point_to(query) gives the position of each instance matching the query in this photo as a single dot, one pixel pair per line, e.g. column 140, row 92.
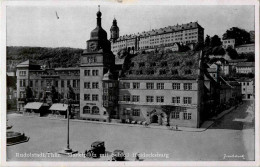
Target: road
column 231, row 138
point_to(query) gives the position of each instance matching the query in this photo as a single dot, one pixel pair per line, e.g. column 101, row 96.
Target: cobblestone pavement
column 231, row 138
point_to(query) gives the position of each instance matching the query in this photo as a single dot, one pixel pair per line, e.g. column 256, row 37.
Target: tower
column 96, row 59
column 114, row 31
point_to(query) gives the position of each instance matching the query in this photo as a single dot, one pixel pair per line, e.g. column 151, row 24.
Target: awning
column 33, row 105
column 59, row 107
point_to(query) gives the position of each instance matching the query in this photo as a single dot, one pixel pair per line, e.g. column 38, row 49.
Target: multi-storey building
column 245, row 67
column 162, row 88
column 42, row 81
column 190, row 33
column 247, row 48
column 247, row 88
column 228, row 43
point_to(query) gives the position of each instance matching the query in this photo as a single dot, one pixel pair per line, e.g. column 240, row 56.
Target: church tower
column 96, row 60
column 114, row 31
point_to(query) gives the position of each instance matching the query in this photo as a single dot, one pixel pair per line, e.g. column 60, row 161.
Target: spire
column 99, row 14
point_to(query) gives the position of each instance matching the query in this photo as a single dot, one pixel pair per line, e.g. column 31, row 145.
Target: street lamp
column 68, row 150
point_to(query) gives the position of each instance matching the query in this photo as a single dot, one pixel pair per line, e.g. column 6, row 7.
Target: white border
column 125, row 2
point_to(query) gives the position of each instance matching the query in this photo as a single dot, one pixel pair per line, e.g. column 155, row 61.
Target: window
column 174, row 72
column 22, row 83
column 136, row 85
column 62, row 83
column 94, row 97
column 126, row 85
column 86, row 110
column 186, row 116
column 160, row 99
column 22, row 73
column 187, row 86
column 160, row 85
column 175, row 115
column 187, row 100
column 135, row 98
column 136, row 112
column 87, row 72
column 149, row 98
column 74, row 83
column 86, row 97
column 95, row 110
column 187, row 71
column 41, row 83
column 126, row 111
column 175, row 99
column 68, row 83
column 95, row 85
column 95, row 72
column 126, row 98
column 31, row 83
column 36, row 83
column 176, row 86
column 247, row 83
column 149, row 85
column 87, row 85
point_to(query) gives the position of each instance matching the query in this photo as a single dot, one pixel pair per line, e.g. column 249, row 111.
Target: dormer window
column 162, row 72
column 142, row 64
column 176, row 63
column 175, row 72
column 187, row 71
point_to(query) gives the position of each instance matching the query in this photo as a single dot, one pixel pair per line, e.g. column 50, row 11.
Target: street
column 230, row 139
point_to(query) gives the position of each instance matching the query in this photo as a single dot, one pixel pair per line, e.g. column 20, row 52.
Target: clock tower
column 96, row 60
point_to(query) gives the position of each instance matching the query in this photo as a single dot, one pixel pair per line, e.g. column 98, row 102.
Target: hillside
column 53, row 57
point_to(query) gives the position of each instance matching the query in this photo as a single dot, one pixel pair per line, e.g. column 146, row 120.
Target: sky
column 39, row 26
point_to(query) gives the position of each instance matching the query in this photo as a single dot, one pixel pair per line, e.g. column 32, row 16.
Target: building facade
column 247, row 88
column 247, row 48
column 245, row 68
column 228, row 43
column 43, row 81
column 190, row 33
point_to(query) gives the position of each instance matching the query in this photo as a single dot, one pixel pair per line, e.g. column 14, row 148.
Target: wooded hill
column 51, row 57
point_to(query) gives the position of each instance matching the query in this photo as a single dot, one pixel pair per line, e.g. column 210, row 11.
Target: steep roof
column 178, row 65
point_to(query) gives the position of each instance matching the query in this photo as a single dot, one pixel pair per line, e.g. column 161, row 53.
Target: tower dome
column 98, row 33
column 114, row 31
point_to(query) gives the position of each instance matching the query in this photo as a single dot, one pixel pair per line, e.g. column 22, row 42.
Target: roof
column 246, row 64
column 59, row 107
column 68, row 68
column 237, row 60
column 28, row 64
column 177, row 65
column 33, row 105
column 164, row 30
column 212, row 70
column 246, row 45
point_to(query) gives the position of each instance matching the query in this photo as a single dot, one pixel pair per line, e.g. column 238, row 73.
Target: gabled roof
column 28, row 64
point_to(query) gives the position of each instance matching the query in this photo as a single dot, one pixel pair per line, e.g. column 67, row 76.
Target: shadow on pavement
column 238, row 119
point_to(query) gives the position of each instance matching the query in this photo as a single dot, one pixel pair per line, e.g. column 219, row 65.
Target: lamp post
column 68, row 150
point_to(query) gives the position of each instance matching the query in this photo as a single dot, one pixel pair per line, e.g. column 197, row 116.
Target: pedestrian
column 137, row 158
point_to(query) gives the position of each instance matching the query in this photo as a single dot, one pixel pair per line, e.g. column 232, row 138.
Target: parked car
column 118, row 155
column 97, row 148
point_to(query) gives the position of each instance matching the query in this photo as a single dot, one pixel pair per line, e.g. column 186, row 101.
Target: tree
column 71, row 94
column 232, row 53
column 54, row 94
column 207, row 40
column 29, row 94
column 167, row 110
column 241, row 36
column 215, row 41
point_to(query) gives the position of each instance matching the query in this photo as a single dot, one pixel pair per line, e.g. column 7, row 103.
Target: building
column 252, row 36
column 247, row 88
column 245, row 67
column 164, row 88
column 96, row 61
column 190, row 33
column 228, row 43
column 247, row 48
column 42, row 81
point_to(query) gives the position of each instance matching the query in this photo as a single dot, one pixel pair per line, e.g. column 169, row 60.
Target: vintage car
column 97, row 148
column 118, row 155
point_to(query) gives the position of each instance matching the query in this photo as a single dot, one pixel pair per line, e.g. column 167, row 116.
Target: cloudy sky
column 39, row 26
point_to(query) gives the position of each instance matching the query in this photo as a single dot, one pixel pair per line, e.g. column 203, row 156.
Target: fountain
column 13, row 138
